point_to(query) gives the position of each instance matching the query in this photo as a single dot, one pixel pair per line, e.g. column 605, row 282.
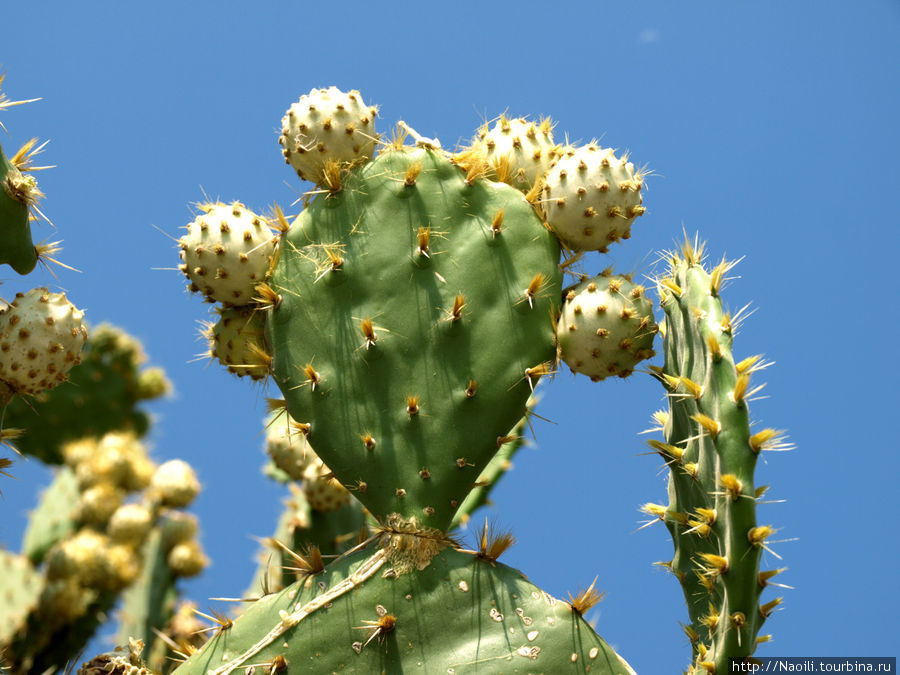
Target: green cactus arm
column 712, row 456
column 149, row 603
column 16, row 246
column 53, row 519
column 491, row 475
column 460, row 614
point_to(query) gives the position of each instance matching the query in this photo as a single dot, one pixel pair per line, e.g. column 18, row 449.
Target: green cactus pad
column 416, row 314
column 459, row 615
column 16, row 247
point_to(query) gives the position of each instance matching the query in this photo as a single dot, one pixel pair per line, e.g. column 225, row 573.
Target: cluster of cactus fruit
column 407, row 315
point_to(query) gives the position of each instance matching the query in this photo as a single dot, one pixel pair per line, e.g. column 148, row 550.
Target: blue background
column 771, row 129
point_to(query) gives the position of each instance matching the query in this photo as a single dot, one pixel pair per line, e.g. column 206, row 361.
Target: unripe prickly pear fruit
column 591, row 197
column 130, row 523
column 187, row 559
column 76, row 452
column 226, row 252
column 178, row 527
column 238, row 341
column 41, row 338
column 323, row 492
column 84, row 556
column 97, row 504
column 63, row 601
column 519, row 151
column 327, row 125
column 176, row 483
column 288, row 447
column 606, row 327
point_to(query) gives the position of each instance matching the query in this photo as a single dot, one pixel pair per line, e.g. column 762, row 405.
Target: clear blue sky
column 772, row 129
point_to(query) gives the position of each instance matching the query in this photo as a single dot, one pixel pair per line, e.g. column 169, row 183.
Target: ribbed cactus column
column 712, row 455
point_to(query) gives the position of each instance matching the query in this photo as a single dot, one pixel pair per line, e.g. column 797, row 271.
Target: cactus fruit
column 238, row 341
column 592, row 197
column 518, row 151
column 175, row 483
column 287, row 446
column 606, row 327
column 41, row 338
column 226, row 252
column 326, row 130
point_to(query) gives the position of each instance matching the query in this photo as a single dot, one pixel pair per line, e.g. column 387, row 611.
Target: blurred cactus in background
column 407, row 315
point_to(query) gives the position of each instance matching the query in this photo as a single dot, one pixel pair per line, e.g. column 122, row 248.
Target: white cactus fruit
column 226, row 252
column 41, row 338
column 238, row 341
column 84, row 555
column 518, row 151
column 591, row 197
column 323, row 491
column 606, row 327
column 288, row 447
column 130, row 524
column 178, row 527
column 176, row 483
column 97, row 504
column 327, row 125
column 187, row 559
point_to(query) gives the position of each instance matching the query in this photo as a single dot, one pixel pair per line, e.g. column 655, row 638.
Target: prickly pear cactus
column 406, row 315
column 711, row 453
